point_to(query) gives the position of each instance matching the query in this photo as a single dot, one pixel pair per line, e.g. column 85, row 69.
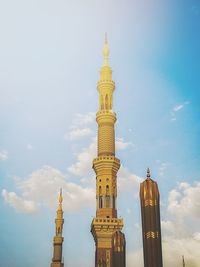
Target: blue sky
column 50, row 56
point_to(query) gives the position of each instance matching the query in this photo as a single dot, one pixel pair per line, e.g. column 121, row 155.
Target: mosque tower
column 106, row 226
column 58, row 239
column 151, row 230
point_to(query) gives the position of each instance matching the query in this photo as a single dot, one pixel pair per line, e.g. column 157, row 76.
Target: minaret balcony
column 105, row 164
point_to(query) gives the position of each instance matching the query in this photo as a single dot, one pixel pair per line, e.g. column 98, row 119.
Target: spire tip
column 60, row 196
column 148, row 173
column 106, row 39
column 105, row 51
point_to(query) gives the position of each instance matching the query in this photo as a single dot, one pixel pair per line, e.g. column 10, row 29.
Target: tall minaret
column 58, row 239
column 151, row 230
column 106, row 227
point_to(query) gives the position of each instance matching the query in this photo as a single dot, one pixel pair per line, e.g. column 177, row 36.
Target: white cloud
column 83, row 119
column 168, row 227
column 180, row 234
column 41, row 189
column 196, row 236
column 128, row 181
column 135, row 257
column 18, row 203
column 173, row 119
column 121, row 144
column 173, row 249
column 184, row 201
column 178, row 107
column 76, row 134
column 3, row 155
column 84, row 159
column 162, row 167
column 29, row 147
column 79, row 127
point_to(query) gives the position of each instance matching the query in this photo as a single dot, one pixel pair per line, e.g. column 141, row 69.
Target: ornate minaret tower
column 151, row 230
column 58, row 239
column 106, row 227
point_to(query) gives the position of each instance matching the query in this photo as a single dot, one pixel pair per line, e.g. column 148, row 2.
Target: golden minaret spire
column 106, row 227
column 58, row 239
column 106, row 51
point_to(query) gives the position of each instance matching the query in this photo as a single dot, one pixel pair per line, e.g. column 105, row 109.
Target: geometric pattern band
column 151, row 234
column 150, row 202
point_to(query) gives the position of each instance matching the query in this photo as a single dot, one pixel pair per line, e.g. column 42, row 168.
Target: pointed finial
column 148, row 173
column 106, row 51
column 183, row 261
column 60, row 197
column 106, row 40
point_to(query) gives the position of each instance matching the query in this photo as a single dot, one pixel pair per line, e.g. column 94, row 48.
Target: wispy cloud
column 181, row 234
column 3, row 155
column 176, row 109
column 121, row 144
column 76, row 134
column 41, row 189
column 162, row 167
column 81, row 126
column 83, row 165
column 184, row 201
column 19, row 203
column 29, row 147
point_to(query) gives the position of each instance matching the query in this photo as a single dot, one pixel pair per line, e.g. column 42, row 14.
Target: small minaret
column 58, row 239
column 106, row 227
column 151, row 230
column 183, row 261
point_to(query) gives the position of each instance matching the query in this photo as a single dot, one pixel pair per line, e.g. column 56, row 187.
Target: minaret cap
column 106, row 51
column 148, row 173
column 60, row 199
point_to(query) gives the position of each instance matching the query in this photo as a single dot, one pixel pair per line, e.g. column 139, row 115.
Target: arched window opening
column 100, row 202
column 110, row 103
column 106, row 101
column 100, row 190
column 114, row 204
column 102, row 104
column 107, row 189
column 107, row 201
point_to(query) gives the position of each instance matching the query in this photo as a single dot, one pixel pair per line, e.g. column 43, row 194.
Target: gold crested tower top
column 59, row 219
column 106, row 71
column 106, row 51
column 105, row 117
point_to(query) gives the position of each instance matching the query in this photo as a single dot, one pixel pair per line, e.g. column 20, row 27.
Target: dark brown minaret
column 183, row 261
column 151, row 230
